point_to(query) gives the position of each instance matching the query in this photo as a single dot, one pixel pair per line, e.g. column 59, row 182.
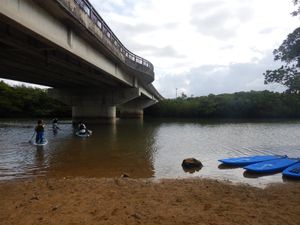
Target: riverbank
column 138, row 201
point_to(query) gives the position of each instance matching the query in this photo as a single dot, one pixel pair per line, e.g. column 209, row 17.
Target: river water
column 145, row 149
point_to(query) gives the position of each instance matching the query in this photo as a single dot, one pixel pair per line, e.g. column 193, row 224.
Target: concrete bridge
column 65, row 44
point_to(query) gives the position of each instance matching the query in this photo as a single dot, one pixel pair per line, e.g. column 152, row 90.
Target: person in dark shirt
column 82, row 128
column 55, row 122
column 39, row 129
column 55, row 125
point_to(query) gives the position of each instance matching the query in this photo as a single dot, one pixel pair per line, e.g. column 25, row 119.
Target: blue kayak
column 244, row 161
column 292, row 171
column 271, row 166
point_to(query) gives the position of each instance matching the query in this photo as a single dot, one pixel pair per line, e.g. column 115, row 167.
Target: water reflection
column 191, row 170
column 226, row 167
column 39, row 156
column 257, row 175
column 112, row 150
column 150, row 148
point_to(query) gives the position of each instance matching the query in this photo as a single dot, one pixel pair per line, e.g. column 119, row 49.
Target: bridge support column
column 131, row 113
column 93, row 113
column 134, row 108
column 94, row 106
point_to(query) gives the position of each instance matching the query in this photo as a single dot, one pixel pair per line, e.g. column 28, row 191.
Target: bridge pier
column 93, row 113
column 135, row 108
column 95, row 106
column 131, row 113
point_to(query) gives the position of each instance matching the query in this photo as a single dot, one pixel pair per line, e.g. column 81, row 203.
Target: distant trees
column 289, row 53
column 21, row 101
column 254, row 104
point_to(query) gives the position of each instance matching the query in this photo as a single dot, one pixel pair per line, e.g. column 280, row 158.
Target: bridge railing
column 131, row 59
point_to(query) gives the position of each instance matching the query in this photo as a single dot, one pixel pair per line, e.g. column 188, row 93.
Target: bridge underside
column 90, row 81
column 24, row 57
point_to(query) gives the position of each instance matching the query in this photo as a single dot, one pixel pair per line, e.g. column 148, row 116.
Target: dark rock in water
column 191, row 163
column 124, row 175
column 191, row 170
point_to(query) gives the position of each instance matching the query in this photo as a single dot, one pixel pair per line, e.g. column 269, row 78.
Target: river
column 153, row 148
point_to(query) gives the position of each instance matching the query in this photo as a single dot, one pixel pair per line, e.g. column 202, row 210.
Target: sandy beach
column 139, row 201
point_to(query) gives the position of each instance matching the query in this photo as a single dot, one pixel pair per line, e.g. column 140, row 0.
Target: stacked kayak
column 292, row 171
column 244, row 161
column 267, row 164
column 271, row 166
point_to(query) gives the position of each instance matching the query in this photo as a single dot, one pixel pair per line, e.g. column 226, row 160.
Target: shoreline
column 146, row 201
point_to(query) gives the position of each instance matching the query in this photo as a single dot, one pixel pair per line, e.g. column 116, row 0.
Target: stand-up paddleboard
column 44, row 142
column 271, row 166
column 292, row 171
column 247, row 160
column 87, row 134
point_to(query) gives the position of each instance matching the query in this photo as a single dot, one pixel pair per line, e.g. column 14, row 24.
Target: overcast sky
column 203, row 46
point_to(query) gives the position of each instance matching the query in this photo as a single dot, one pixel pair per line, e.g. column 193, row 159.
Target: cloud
column 202, row 46
column 218, row 19
column 218, row 79
column 137, row 31
column 165, row 52
column 267, row 30
column 121, row 7
column 134, row 29
column 227, row 47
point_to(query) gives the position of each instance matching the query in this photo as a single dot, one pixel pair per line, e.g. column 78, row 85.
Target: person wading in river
column 82, row 128
column 39, row 129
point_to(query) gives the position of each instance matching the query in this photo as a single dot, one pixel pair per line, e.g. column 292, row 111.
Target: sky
column 201, row 47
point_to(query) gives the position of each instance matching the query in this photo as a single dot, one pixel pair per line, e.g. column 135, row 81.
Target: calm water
column 144, row 149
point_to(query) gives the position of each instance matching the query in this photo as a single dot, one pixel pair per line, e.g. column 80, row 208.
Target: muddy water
column 145, row 149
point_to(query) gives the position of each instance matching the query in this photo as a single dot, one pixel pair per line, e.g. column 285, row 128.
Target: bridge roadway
column 66, row 45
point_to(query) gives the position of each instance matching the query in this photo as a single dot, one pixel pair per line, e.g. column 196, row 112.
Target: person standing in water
column 55, row 123
column 55, row 127
column 39, row 129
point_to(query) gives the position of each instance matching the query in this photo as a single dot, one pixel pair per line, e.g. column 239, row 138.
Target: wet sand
column 91, row 201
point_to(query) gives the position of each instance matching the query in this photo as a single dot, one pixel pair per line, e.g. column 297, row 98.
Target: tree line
column 21, row 101
column 253, row 104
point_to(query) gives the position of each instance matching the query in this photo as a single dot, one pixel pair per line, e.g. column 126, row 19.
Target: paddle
column 55, row 126
column 31, row 137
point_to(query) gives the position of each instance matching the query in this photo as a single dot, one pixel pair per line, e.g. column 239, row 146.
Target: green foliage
column 21, row 101
column 254, row 104
column 288, row 53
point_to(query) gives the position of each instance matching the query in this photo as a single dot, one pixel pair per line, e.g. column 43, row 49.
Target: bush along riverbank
column 253, row 104
column 22, row 101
